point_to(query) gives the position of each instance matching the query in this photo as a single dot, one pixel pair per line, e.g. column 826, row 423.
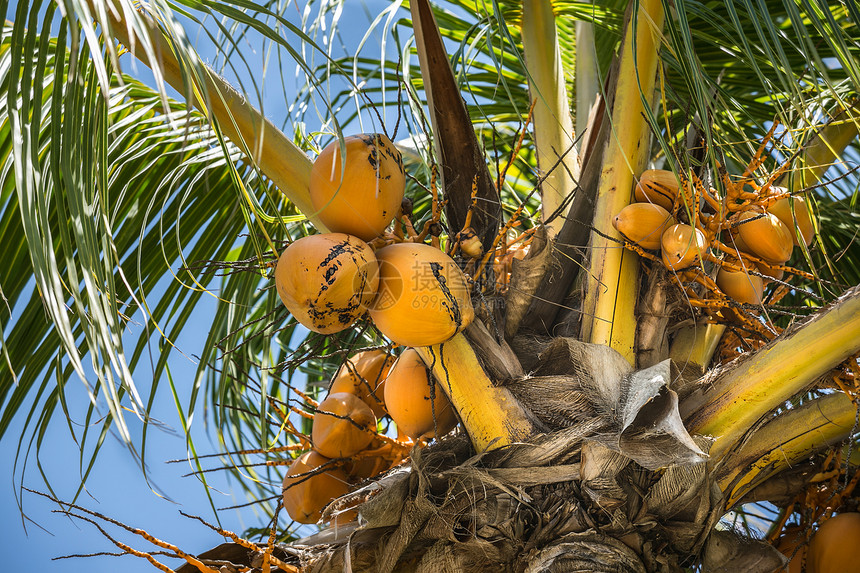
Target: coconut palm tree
column 618, row 413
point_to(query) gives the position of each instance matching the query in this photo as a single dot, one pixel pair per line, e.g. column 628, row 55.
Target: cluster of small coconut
column 347, row 448
column 413, row 292
column 767, row 234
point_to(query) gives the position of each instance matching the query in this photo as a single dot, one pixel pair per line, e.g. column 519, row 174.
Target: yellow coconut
column 833, row 548
column 327, row 281
column 657, row 186
column 740, row 286
column 765, row 235
column 407, row 396
column 309, row 487
column 362, row 196
column 800, row 221
column 643, row 224
column 364, row 376
column 423, row 296
column 682, row 246
column 343, row 425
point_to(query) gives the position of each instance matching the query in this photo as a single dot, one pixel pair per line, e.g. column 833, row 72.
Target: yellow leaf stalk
column 611, row 279
column 492, row 416
column 694, row 346
column 823, row 149
column 587, row 81
column 552, row 124
column 785, row 441
column 730, row 402
column 272, row 152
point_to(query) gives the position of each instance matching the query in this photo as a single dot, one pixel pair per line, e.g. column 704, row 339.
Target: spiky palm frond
column 106, row 204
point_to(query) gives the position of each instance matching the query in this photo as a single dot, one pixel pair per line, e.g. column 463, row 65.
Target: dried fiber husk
column 615, row 483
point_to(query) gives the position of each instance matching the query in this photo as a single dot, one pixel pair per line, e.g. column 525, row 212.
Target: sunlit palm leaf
column 108, row 233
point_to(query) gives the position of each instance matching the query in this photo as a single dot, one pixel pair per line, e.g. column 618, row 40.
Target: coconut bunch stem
column 493, row 418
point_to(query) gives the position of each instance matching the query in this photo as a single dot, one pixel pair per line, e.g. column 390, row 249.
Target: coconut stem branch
column 271, row 151
column 785, row 441
column 730, row 402
column 610, row 283
column 492, row 416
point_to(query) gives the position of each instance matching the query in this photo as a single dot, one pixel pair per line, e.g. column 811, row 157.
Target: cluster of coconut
column 415, row 295
column 347, row 448
column 767, row 234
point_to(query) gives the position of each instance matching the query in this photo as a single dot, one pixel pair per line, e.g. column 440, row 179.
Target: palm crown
column 118, row 199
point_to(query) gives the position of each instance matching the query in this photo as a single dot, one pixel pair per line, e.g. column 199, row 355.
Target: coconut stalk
column 551, row 124
column 587, row 81
column 728, row 403
column 611, row 281
column 274, row 154
column 492, row 416
column 694, row 346
column 786, row 440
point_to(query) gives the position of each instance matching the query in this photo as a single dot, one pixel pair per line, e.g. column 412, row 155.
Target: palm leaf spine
column 492, row 416
column 551, row 124
column 611, row 279
column 823, row 149
column 587, row 81
column 732, row 401
column 787, row 440
column 287, row 166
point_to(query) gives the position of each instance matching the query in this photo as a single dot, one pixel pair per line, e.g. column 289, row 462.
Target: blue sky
column 116, row 487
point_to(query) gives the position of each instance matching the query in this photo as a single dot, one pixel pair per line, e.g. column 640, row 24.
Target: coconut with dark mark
column 424, row 298
column 361, row 194
column 327, row 281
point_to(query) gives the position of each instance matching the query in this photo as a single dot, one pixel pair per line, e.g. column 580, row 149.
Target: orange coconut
column 327, row 281
column 364, row 467
column 343, row 425
column 833, row 548
column 364, row 376
column 765, row 236
column 643, row 224
column 423, row 295
column 309, row 488
column 682, row 246
column 799, row 221
column 362, row 196
column 657, row 186
column 740, row 286
column 407, row 396
column 792, row 545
